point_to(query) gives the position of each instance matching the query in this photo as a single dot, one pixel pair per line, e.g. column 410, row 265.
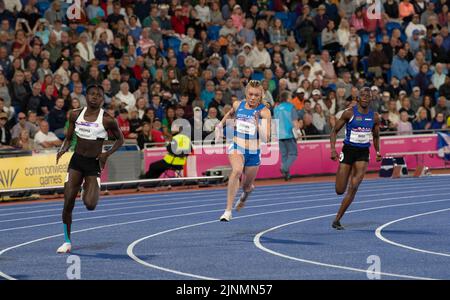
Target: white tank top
column 90, row 130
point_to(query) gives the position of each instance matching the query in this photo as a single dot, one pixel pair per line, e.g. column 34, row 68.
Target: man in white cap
column 248, row 54
column 214, row 64
column 299, row 100
column 316, row 97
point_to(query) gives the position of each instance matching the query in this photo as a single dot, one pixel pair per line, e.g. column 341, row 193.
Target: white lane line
column 203, row 205
column 112, row 199
column 143, row 262
column 299, row 193
column 126, row 202
column 257, row 242
column 130, row 249
column 188, row 214
column 378, row 233
column 2, row 274
column 304, row 186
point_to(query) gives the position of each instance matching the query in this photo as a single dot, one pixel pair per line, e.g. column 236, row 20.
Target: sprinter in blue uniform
column 251, row 126
column 361, row 124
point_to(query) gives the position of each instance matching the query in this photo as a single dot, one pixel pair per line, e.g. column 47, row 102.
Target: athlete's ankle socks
column 67, row 233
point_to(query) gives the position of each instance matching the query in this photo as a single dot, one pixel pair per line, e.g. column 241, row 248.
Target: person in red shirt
column 157, row 135
column 124, row 124
column 179, row 22
column 138, row 68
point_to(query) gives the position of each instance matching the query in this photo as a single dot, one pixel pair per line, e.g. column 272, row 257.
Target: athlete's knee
column 236, row 173
column 90, row 205
column 340, row 191
column 68, row 207
column 357, row 179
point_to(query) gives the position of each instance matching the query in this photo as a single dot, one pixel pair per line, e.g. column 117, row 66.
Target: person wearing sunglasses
column 91, row 125
column 362, row 123
column 251, row 127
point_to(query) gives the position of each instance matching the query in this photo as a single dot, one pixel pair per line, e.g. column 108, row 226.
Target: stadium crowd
column 159, row 61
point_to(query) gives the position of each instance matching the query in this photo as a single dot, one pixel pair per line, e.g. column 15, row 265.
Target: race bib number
column 360, row 137
column 245, row 127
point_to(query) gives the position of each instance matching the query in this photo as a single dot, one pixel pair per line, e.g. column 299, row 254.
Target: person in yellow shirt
column 177, row 152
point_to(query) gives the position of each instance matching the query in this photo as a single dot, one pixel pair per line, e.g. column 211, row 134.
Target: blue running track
column 283, row 232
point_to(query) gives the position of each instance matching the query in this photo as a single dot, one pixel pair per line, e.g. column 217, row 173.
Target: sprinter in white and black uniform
column 361, row 124
column 251, row 126
column 91, row 124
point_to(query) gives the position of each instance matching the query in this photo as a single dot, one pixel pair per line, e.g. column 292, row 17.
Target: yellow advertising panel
column 33, row 171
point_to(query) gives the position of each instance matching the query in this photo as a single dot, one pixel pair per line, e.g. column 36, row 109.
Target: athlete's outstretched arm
column 376, row 135
column 266, row 125
column 229, row 114
column 67, row 140
column 113, row 127
column 222, row 123
column 346, row 116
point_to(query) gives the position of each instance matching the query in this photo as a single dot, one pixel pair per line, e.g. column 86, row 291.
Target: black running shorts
column 88, row 166
column 351, row 154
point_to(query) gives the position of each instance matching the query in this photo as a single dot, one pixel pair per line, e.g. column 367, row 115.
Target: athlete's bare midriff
column 90, row 148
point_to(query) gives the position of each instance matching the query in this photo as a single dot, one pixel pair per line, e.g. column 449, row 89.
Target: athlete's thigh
column 91, row 190
column 236, row 161
column 74, row 180
column 342, row 176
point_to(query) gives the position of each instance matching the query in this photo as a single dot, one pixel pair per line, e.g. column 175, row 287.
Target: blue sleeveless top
column 246, row 123
column 359, row 129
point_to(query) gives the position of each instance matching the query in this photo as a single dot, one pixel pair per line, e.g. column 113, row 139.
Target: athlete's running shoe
column 65, row 248
column 337, row 225
column 226, row 217
column 241, row 202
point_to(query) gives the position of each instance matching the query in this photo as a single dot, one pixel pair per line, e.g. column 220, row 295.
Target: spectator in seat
column 22, row 125
column 439, row 123
column 23, row 141
column 5, row 134
column 404, row 126
column 45, row 139
column 145, row 136
column 310, row 129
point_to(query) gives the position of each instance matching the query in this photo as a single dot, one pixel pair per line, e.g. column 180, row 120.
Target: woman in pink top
column 145, row 42
column 238, row 18
column 357, row 20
